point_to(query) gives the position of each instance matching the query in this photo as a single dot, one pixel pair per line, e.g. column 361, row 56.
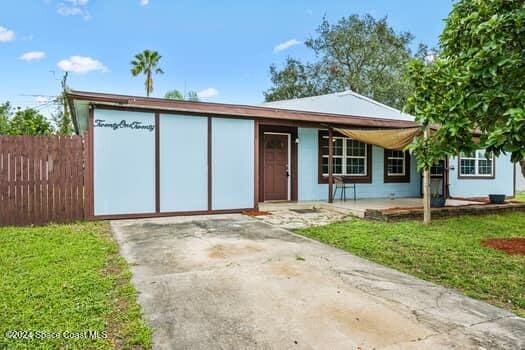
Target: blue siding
column 183, row 163
column 503, row 183
column 124, row 164
column 232, row 163
column 310, row 189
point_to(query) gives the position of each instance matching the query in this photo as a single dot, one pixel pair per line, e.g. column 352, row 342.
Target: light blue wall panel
column 232, row 163
column 503, row 183
column 309, row 189
column 124, row 162
column 183, row 163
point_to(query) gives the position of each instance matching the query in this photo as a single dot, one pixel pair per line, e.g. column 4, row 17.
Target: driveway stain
column 221, row 251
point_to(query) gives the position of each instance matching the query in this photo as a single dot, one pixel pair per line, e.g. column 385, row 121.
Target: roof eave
column 236, row 110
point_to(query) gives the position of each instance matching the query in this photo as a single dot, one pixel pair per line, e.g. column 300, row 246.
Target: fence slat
column 41, row 179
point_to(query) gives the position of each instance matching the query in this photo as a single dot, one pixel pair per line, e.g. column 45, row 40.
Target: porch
column 315, row 213
column 363, row 208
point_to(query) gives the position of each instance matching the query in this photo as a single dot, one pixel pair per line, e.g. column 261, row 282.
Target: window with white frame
column 437, row 169
column 476, row 164
column 349, row 157
column 395, row 163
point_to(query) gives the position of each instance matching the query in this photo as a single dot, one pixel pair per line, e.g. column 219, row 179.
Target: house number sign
column 123, row 124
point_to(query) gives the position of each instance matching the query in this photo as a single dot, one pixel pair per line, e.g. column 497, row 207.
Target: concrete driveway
column 233, row 282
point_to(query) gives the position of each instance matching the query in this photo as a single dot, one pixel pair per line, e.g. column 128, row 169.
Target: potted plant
column 497, row 198
column 437, row 200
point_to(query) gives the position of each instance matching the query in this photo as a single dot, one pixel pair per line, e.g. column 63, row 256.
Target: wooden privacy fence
column 41, row 179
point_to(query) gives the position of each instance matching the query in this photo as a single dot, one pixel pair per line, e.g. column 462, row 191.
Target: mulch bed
column 255, row 213
column 515, row 246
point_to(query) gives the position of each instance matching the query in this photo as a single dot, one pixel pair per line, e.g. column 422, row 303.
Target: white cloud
column 81, row 65
column 286, row 45
column 74, row 8
column 33, row 55
column 144, row 2
column 6, row 35
column 207, row 93
column 42, row 99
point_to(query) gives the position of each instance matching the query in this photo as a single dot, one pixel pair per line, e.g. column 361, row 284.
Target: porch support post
column 330, row 165
column 426, row 190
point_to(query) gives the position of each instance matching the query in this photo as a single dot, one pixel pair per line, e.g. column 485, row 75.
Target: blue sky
column 221, row 49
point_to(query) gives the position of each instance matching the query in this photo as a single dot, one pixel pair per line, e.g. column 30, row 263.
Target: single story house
column 156, row 157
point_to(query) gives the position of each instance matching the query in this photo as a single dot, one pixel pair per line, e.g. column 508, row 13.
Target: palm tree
column 146, row 62
column 177, row 95
column 192, row 96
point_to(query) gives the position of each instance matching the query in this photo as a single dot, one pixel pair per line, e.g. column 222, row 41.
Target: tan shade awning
column 397, row 139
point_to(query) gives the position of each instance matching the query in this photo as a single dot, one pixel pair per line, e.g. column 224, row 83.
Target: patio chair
column 341, row 185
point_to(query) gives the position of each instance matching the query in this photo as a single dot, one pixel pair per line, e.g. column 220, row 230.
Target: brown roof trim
column 236, row 110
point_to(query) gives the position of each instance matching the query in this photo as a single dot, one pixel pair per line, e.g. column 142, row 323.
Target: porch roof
column 80, row 100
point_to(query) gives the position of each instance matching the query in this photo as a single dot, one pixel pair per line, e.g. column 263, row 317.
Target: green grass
column 67, row 278
column 447, row 252
column 520, row 196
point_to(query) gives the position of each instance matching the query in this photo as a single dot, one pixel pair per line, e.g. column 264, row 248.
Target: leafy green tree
column 177, row 95
column 29, row 122
column 358, row 53
column 475, row 85
column 295, row 80
column 5, row 112
column 147, row 63
column 174, row 95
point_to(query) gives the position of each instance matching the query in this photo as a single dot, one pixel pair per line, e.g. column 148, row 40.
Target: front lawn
column 63, row 284
column 448, row 252
column 520, row 196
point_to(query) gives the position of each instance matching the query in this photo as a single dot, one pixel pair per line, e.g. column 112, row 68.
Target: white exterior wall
column 520, row 179
column 503, row 183
column 232, row 163
column 124, row 162
column 183, row 163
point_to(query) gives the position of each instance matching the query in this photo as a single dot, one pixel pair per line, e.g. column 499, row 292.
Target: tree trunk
column 330, row 165
column 426, row 196
column 148, row 83
column 426, row 191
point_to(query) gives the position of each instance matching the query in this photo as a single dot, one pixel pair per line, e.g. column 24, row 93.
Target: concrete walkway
column 233, row 282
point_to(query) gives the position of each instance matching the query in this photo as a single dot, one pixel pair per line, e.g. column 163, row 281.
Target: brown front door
column 276, row 167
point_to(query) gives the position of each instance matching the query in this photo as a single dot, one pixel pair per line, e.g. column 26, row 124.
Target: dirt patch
column 514, row 246
column 255, row 213
column 221, row 251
